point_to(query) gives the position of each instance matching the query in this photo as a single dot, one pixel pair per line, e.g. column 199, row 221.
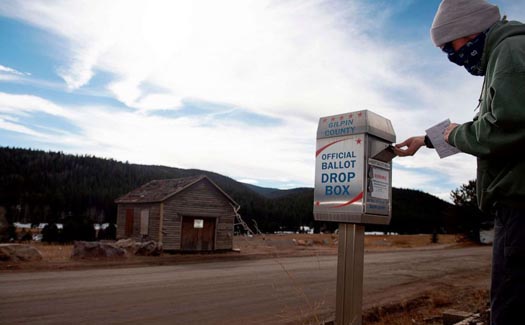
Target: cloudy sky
column 234, row 87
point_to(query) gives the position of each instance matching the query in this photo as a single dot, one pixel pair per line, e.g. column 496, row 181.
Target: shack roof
column 162, row 189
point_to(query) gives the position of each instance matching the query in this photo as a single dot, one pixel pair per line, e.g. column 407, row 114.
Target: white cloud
column 295, row 60
column 427, row 172
column 14, row 127
column 268, row 56
column 8, row 70
column 249, row 181
column 7, row 77
column 10, row 74
column 227, row 147
column 24, row 104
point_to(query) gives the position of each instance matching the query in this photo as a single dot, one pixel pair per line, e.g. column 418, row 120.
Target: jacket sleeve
column 501, row 129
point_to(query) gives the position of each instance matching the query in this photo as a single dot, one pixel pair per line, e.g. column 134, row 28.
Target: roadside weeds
column 428, row 307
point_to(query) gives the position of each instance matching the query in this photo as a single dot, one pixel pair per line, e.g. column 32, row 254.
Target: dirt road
column 268, row 291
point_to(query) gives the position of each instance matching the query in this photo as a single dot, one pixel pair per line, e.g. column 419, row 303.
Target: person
column 473, row 35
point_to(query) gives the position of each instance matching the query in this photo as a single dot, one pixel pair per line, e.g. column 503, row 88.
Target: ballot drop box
column 353, row 172
column 353, row 186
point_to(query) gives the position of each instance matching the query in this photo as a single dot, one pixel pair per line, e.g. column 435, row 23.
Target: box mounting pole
column 350, row 262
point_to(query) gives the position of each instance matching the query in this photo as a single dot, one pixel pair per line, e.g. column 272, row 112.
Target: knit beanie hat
column 459, row 18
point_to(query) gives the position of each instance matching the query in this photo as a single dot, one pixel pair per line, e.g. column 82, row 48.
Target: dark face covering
column 469, row 55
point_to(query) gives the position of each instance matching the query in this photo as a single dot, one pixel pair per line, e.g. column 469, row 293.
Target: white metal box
column 353, row 174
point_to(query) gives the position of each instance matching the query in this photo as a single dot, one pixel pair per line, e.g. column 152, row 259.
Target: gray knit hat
column 459, row 18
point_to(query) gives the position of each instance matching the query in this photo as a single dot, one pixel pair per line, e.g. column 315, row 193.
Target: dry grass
column 428, row 308
column 406, row 241
column 311, row 314
column 54, row 252
column 283, row 245
column 380, row 242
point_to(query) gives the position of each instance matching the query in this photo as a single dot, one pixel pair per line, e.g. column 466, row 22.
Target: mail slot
column 353, row 174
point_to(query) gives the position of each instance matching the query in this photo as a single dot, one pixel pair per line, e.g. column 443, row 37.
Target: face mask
column 469, row 55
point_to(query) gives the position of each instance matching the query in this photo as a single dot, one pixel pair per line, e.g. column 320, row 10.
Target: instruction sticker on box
column 380, row 183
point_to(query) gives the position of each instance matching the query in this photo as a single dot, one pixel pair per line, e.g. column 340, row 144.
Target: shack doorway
column 129, row 222
column 198, row 234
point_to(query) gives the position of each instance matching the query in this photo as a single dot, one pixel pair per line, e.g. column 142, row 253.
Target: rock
column 19, row 252
column 84, row 249
column 452, row 316
column 128, row 245
column 482, row 318
column 149, row 248
column 302, row 242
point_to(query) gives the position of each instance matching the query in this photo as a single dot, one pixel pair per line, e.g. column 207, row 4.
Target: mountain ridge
column 47, row 186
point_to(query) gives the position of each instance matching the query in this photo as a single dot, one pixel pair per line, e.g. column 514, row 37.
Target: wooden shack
column 184, row 214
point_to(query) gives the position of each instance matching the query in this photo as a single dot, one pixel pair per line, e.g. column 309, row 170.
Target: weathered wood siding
column 224, row 239
column 202, row 199
column 171, row 227
column 154, row 219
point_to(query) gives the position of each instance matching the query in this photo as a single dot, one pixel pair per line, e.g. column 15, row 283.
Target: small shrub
column 11, row 233
column 78, row 229
column 26, row 236
column 50, row 233
column 110, row 233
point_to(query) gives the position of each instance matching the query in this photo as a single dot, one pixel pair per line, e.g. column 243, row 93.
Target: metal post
column 350, row 260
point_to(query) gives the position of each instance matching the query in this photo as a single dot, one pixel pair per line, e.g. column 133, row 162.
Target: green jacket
column 496, row 136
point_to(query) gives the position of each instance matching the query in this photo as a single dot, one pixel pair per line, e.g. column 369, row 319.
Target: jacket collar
column 500, row 31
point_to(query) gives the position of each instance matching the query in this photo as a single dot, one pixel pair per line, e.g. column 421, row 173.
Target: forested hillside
column 38, row 186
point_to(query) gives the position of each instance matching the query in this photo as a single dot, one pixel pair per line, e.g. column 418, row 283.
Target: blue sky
column 234, row 87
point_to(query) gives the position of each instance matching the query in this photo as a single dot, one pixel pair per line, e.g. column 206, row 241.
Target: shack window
column 144, row 221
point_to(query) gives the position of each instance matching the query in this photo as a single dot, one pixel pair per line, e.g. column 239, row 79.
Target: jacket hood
column 498, row 33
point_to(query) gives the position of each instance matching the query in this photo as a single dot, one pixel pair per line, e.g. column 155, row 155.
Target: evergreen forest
column 52, row 187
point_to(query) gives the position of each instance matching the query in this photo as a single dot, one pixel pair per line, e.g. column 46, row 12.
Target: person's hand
column 412, row 146
column 449, row 129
